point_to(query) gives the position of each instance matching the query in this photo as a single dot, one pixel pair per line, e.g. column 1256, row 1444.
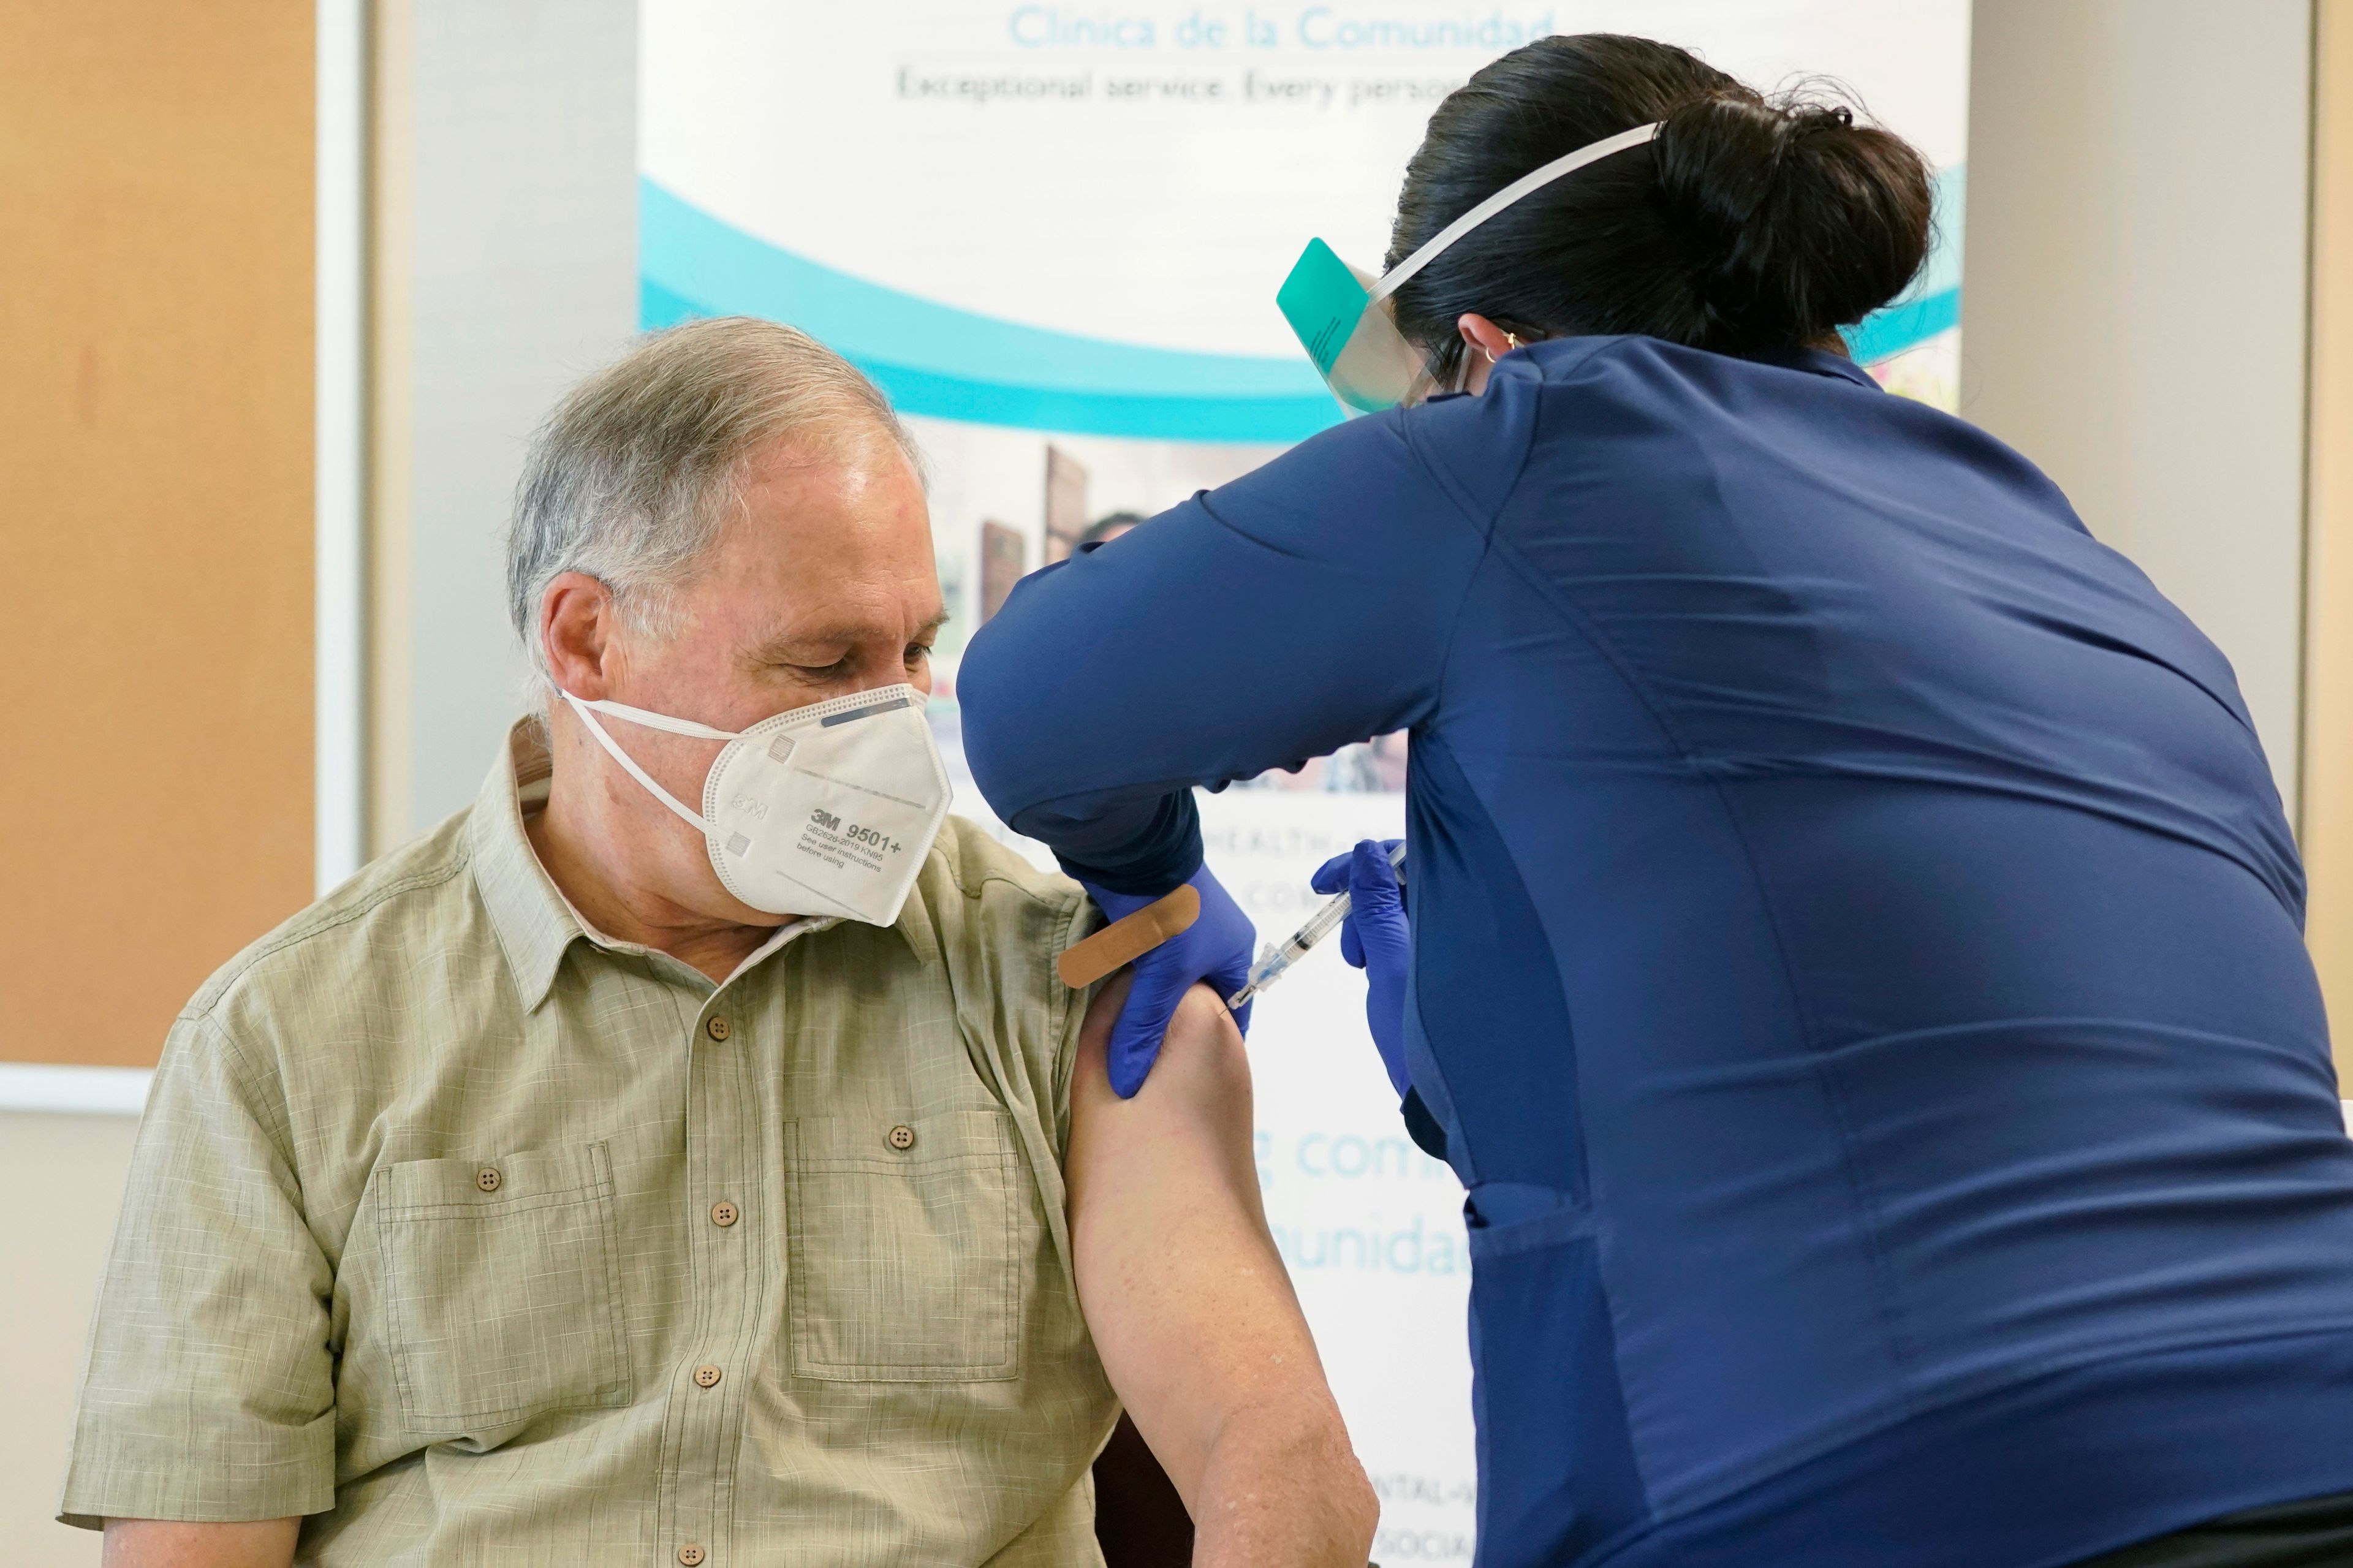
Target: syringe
column 1273, row 961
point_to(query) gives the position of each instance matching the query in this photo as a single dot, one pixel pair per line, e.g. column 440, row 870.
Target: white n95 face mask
column 824, row 810
column 1345, row 321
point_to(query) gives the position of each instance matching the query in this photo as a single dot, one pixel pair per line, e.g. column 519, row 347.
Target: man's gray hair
column 637, row 469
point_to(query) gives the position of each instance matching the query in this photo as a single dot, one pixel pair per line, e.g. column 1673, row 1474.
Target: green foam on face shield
column 1322, row 300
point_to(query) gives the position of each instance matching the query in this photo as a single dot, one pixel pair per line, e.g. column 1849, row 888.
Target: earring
column 1512, row 339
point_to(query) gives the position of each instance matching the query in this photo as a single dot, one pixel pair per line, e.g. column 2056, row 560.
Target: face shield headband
column 1345, row 321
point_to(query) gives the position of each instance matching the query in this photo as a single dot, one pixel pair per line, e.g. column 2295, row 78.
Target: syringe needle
column 1273, row 962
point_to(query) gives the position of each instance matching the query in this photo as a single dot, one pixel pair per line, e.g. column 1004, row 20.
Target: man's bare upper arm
column 1191, row 1310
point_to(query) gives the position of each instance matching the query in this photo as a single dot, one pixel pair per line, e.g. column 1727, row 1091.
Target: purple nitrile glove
column 1216, row 948
column 1375, row 939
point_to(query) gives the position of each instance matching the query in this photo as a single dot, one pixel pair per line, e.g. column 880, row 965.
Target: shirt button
column 706, row 1376
column 724, row 1214
column 488, row 1178
column 903, row 1137
column 690, row 1556
column 718, row 1029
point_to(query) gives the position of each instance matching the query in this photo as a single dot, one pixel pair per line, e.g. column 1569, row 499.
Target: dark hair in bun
column 1748, row 225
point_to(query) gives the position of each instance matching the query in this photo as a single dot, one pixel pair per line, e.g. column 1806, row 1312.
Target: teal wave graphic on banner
column 950, row 363
column 1906, row 324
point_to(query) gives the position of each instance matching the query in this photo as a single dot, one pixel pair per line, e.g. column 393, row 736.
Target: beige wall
column 2133, row 314
column 60, row 1181
column 2328, row 692
column 506, row 269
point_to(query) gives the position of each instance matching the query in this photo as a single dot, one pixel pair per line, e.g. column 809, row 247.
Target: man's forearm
column 170, row 1543
column 1279, row 1490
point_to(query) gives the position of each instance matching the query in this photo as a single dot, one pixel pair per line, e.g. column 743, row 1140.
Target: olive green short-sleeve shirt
column 480, row 1239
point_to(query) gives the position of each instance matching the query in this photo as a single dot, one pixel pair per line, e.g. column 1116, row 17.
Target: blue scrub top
column 1857, row 962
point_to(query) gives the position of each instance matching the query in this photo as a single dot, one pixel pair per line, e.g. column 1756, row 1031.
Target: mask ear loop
column 1419, row 389
column 652, row 722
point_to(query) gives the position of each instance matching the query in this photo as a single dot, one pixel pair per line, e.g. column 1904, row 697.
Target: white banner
column 1053, row 234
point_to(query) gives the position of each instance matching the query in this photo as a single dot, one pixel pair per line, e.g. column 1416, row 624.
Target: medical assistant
column 1856, row 951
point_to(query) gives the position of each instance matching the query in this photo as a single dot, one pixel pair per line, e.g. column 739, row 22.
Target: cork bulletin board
column 156, row 507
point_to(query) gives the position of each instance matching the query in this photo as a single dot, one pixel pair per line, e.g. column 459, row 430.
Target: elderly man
column 687, row 1154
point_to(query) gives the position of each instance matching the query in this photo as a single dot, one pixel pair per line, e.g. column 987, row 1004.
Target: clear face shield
column 1346, row 323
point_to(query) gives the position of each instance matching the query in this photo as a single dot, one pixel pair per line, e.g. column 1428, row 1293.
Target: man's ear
column 575, row 632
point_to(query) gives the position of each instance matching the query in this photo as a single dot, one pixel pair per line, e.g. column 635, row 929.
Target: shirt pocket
column 905, row 1249
column 503, row 1287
